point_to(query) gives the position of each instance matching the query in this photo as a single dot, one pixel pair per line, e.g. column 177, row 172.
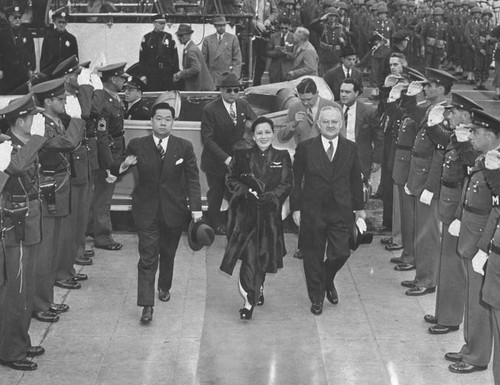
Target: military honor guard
column 136, row 107
column 434, row 39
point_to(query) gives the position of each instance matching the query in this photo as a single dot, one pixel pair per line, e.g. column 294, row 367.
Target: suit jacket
column 303, row 130
column 336, row 75
column 195, row 73
column 167, row 186
column 280, row 63
column 369, row 137
column 219, row 134
column 221, row 56
column 305, row 61
column 138, row 111
column 317, row 181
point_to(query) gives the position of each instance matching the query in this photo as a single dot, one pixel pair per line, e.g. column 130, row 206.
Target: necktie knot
column 160, row 148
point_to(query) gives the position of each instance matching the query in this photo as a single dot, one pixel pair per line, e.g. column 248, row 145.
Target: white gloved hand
column 5, row 153
column 479, row 261
column 454, row 228
column 395, row 92
column 407, row 190
column 426, row 197
column 462, row 132
column 96, row 82
column 296, row 218
column 83, row 78
column 492, row 160
column 360, row 222
column 414, row 88
column 436, row 116
column 110, row 178
column 38, row 125
column 391, row 80
column 72, row 107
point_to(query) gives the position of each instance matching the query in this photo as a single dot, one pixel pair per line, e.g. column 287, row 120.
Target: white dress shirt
column 164, row 142
column 228, row 107
column 326, row 144
column 346, row 71
column 351, row 121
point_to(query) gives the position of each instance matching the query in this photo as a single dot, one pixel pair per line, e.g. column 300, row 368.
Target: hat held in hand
column 200, row 234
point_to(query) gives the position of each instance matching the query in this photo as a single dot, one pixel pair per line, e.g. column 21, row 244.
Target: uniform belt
column 402, row 147
column 421, row 156
column 494, row 248
column 476, row 211
column 449, row 184
column 118, row 135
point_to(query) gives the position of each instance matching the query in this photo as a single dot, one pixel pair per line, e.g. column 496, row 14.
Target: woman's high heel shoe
column 246, row 313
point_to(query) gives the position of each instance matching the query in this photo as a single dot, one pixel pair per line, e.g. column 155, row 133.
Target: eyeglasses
column 232, row 90
column 284, row 28
column 16, row 17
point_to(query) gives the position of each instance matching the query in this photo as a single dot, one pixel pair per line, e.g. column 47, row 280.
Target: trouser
column 46, row 262
column 157, row 246
column 215, row 195
column 16, row 302
column 101, row 206
column 427, row 243
column 496, row 338
column 396, row 216
column 386, row 180
column 450, row 295
column 481, row 67
column 407, row 211
column 433, row 60
column 478, row 333
column 251, row 275
column 259, row 55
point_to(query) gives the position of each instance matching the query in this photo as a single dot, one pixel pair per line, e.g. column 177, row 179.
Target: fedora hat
column 219, row 19
column 229, row 79
column 200, row 234
column 184, row 29
column 359, row 239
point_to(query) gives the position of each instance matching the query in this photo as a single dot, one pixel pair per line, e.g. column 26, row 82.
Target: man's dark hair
column 284, row 20
column 356, row 86
column 260, row 120
column 162, row 106
column 307, row 86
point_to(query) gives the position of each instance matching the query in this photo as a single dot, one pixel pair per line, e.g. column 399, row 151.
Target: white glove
column 492, row 160
column 38, row 125
column 462, row 132
column 360, row 222
column 110, row 178
column 5, row 153
column 296, row 218
column 72, row 107
column 454, row 228
column 478, row 262
column 436, row 116
column 395, row 92
column 407, row 190
column 96, row 82
column 426, row 197
column 391, row 80
column 414, row 88
column 84, row 77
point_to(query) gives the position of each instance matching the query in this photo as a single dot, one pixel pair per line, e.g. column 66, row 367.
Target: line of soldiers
column 447, row 174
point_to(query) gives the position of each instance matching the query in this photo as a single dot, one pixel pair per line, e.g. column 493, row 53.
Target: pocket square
column 179, row 161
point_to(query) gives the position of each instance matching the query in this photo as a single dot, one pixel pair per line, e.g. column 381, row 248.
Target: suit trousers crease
column 478, row 333
column 215, row 195
column 47, row 262
column 16, row 305
column 157, row 246
column 397, row 237
column 427, row 243
column 407, row 215
column 101, row 206
column 450, row 295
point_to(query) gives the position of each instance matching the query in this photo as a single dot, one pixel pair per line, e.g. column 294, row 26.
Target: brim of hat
column 85, row 64
column 124, row 75
column 36, row 110
column 192, row 244
column 184, row 33
column 229, row 85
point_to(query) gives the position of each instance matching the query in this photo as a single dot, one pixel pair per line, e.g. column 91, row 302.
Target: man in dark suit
column 279, row 44
column 327, row 190
column 135, row 106
column 223, row 124
column 168, row 178
column 362, row 127
column 334, row 76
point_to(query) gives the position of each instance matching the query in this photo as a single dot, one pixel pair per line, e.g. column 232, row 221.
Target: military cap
column 328, row 3
column 414, row 75
column 62, row 14
column 463, row 103
column 21, row 106
column 135, row 82
column 159, row 17
column 483, row 119
column 438, row 4
column 439, row 77
column 370, row 3
column 116, row 69
column 472, row 4
column 403, row 3
column 374, row 7
column 487, row 11
column 342, row 5
column 49, row 89
column 16, row 10
column 449, row 2
column 438, row 11
column 382, row 8
column 332, row 11
column 85, row 64
column 184, row 29
column 475, row 10
column 400, row 35
column 220, row 20
column 67, row 66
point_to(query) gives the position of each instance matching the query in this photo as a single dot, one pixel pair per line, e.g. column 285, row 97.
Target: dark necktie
column 310, row 117
column 329, row 151
column 346, row 116
column 219, row 38
column 348, row 73
column 160, row 149
column 232, row 113
column 282, row 42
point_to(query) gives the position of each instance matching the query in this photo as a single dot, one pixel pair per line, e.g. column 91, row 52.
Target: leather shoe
column 431, row 319
column 88, row 253
column 410, row 284
column 298, row 254
column 80, row 277
column 20, row 364
column 464, row 368
column 59, row 308
column 397, row 260
column 246, row 313
column 35, row 351
column 404, row 267
column 453, row 357
column 147, row 314
column 317, row 308
column 440, row 329
column 220, row 230
column 386, row 240
column 83, row 261
column 45, row 316
column 163, row 295
column 419, row 290
column 68, row 284
column 394, row 247
column 260, row 302
column 332, row 295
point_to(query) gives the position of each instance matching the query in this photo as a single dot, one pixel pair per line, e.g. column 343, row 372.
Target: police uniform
column 137, row 110
column 158, row 59
column 57, row 46
column 483, row 54
column 25, row 46
column 55, row 175
column 20, row 235
column 332, row 40
column 434, row 35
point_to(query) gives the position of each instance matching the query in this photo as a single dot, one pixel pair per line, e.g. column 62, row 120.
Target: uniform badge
column 24, row 40
column 166, row 43
column 495, row 200
column 101, row 125
column 67, row 44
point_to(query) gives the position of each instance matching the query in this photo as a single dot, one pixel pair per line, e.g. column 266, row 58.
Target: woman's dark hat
column 200, row 234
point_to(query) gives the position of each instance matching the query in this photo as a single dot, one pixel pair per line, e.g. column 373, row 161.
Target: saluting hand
column 462, row 132
column 414, row 88
column 436, row 116
column 72, row 107
column 5, row 153
column 96, row 82
column 83, row 78
column 492, row 160
column 38, row 125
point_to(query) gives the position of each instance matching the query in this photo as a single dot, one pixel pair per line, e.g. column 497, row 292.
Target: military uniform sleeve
column 69, row 140
column 23, row 158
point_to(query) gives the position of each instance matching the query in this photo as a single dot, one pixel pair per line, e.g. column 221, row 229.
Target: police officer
column 484, row 44
column 158, row 57
column 58, row 45
column 20, row 232
column 135, row 106
column 434, row 35
column 25, row 47
column 55, row 174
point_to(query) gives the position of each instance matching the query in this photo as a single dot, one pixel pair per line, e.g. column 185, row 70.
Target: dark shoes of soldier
column 404, row 267
column 430, row 319
column 409, row 284
column 58, row 308
column 298, row 254
column 68, row 284
column 20, row 364
column 35, row 351
column 45, row 316
column 465, row 368
column 419, row 290
column 440, row 329
column 453, row 357
column 83, row 261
